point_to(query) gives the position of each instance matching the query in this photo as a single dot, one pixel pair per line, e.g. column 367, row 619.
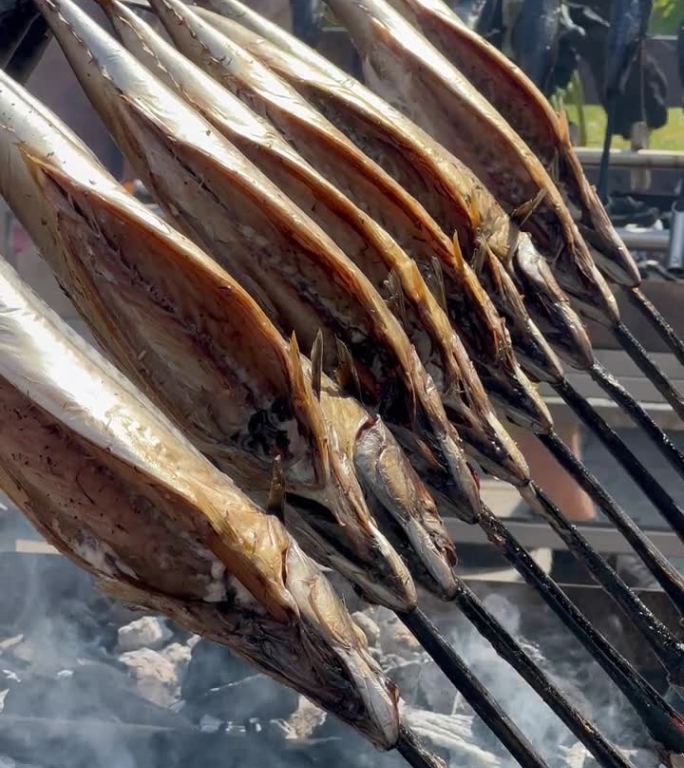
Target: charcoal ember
column 253, row 698
column 7, row 644
column 145, row 632
column 179, row 655
column 155, row 676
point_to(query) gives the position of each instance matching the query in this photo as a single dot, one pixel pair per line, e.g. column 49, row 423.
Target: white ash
column 156, row 677
column 146, row 632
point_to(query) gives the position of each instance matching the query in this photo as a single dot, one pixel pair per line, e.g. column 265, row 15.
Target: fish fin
column 479, row 254
column 396, row 300
column 306, row 405
column 474, row 209
column 523, row 212
column 564, row 127
column 554, row 168
column 317, row 363
column 276, row 495
column 439, row 290
column 347, row 377
column 458, row 251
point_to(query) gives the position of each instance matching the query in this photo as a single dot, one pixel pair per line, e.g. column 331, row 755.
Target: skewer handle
column 634, row 349
column 510, row 650
column 617, row 392
column 664, row 644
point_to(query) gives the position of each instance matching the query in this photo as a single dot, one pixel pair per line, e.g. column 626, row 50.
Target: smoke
column 567, row 664
column 69, row 697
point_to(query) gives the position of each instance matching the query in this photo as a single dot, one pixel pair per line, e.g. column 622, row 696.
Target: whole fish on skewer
column 392, row 47
column 210, row 357
column 441, row 183
column 108, row 480
column 388, row 267
column 523, row 105
column 212, row 191
column 401, row 65
column 367, row 131
column 527, row 110
column 454, row 199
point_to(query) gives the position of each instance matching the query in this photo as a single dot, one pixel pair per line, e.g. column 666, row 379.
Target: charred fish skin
column 110, row 482
column 247, row 222
column 447, row 190
column 176, row 322
column 405, row 68
column 523, row 105
column 370, row 247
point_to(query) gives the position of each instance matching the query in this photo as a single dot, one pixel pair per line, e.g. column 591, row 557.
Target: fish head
column 332, row 516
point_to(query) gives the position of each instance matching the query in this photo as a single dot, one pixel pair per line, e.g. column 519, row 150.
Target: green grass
column 670, row 137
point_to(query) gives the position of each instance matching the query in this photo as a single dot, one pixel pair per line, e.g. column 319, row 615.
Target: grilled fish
column 403, row 66
column 454, row 198
column 382, row 260
column 108, row 480
column 190, row 336
column 286, row 262
column 529, row 113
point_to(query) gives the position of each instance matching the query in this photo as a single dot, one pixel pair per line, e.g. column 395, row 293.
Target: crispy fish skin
column 246, row 222
column 369, row 246
column 337, row 159
column 403, row 66
column 187, row 332
column 523, row 105
column 457, row 201
column 113, row 485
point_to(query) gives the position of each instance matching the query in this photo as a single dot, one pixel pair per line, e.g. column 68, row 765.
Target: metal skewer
column 658, row 322
column 668, row 578
column 617, row 392
column 658, row 496
column 635, row 350
column 662, row 721
column 479, row 698
column 510, row 650
column 664, row 644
